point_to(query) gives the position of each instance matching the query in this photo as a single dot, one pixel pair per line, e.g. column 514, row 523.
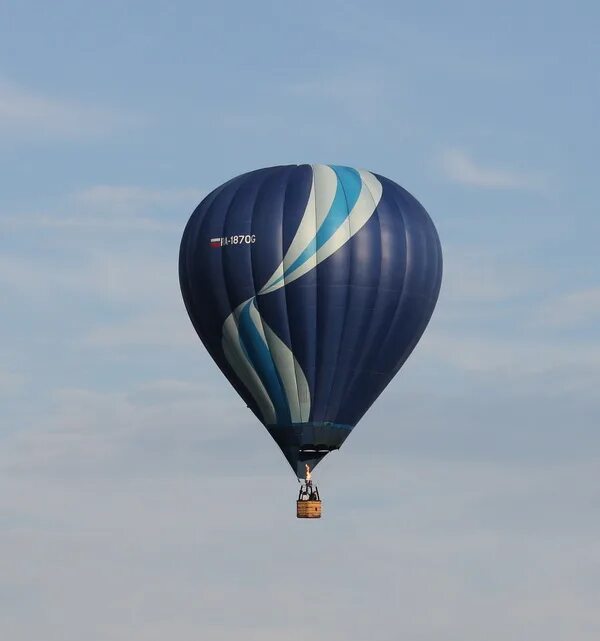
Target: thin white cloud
column 153, row 329
column 33, row 116
column 10, row 382
column 475, row 276
column 125, row 200
column 460, row 167
column 115, row 208
column 111, row 482
column 86, row 222
column 513, row 357
column 85, row 430
column 130, row 276
column 572, row 310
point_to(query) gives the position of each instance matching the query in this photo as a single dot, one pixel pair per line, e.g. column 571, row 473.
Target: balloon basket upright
column 308, row 505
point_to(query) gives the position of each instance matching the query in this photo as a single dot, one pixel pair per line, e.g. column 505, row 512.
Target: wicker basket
column 308, row 509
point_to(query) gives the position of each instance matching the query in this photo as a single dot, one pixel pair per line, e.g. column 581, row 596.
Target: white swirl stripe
column 239, row 361
column 340, row 203
column 364, row 207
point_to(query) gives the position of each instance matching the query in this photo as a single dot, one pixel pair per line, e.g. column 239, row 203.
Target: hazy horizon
column 139, row 499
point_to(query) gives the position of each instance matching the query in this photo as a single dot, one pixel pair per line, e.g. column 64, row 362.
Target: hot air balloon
column 310, row 285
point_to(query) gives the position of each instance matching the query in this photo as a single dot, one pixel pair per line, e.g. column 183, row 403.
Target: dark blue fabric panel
column 333, row 276
column 364, row 279
column 236, row 259
column 269, row 209
column 421, row 282
column 300, row 295
column 268, row 251
column 203, row 275
column 392, row 270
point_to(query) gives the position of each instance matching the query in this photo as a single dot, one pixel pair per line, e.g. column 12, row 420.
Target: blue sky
column 464, row 506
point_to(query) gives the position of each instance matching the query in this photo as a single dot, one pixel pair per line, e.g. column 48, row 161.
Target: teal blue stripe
column 352, row 183
column 260, row 357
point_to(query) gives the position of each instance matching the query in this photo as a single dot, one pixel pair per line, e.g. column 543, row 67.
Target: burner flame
column 308, row 475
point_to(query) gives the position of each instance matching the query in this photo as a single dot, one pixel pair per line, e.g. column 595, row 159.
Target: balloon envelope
column 310, row 285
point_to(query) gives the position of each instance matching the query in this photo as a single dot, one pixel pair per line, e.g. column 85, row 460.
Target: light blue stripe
column 349, row 184
column 260, row 357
